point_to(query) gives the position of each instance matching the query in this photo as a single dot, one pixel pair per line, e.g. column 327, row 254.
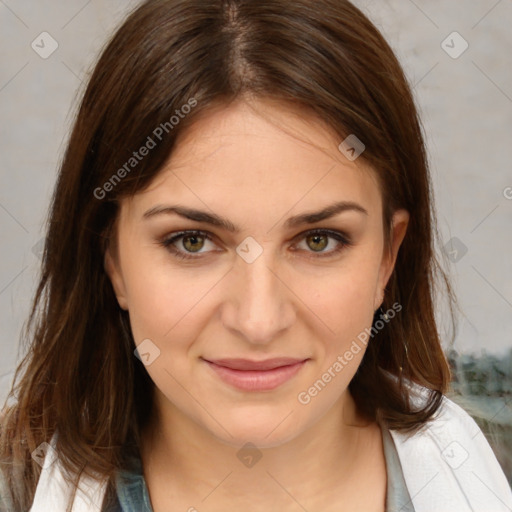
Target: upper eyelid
column 210, row 235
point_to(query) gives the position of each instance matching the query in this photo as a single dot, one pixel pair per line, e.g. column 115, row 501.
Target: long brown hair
column 79, row 376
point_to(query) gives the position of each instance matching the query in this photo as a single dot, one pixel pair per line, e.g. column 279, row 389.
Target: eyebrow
column 216, row 220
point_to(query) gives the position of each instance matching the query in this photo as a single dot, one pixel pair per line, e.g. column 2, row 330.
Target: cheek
column 342, row 299
column 164, row 306
column 345, row 306
column 164, row 301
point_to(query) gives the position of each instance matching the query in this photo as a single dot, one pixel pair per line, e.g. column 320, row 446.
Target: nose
column 261, row 306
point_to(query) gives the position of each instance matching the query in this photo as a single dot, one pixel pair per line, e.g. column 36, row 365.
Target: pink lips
column 256, row 375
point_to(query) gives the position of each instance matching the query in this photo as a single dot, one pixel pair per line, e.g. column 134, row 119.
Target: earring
column 405, row 358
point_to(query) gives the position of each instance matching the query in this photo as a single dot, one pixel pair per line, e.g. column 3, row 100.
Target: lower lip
column 256, row 380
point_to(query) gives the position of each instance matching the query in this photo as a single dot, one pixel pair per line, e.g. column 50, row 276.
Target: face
column 249, row 266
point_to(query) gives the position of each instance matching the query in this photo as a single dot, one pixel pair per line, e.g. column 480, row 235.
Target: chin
column 264, row 430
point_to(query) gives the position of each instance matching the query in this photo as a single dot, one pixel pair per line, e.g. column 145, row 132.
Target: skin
column 256, row 163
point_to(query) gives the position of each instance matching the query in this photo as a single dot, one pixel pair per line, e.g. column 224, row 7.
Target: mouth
column 249, row 375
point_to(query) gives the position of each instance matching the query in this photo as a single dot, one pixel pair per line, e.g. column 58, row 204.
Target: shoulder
column 449, row 463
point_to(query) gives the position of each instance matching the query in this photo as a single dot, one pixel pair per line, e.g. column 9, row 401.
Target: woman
column 236, row 303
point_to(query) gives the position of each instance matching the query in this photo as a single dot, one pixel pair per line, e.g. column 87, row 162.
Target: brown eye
column 193, row 243
column 188, row 244
column 317, row 242
column 322, row 243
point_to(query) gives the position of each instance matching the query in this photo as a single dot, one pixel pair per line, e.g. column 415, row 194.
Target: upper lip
column 248, row 364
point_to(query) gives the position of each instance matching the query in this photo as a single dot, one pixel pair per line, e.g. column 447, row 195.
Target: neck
column 181, row 457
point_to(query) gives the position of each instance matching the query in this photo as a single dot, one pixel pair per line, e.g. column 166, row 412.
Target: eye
column 318, row 240
column 191, row 243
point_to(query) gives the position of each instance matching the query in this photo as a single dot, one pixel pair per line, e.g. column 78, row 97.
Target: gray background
column 466, row 107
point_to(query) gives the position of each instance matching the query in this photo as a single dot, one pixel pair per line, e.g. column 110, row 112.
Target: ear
column 114, row 273
column 399, row 225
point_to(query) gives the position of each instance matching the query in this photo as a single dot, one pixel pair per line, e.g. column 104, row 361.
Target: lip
column 249, row 375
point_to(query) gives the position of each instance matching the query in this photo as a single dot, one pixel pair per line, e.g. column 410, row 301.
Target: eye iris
column 320, row 241
column 194, row 247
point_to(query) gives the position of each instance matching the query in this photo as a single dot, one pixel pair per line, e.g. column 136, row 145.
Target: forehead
column 256, row 157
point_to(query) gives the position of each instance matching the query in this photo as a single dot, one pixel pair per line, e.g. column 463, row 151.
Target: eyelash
column 342, row 238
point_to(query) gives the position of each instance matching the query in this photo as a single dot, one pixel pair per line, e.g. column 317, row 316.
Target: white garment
column 448, row 466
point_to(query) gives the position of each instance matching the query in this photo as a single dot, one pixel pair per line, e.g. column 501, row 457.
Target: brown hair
column 79, row 375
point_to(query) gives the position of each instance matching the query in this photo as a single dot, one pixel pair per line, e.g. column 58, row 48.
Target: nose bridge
column 263, row 306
